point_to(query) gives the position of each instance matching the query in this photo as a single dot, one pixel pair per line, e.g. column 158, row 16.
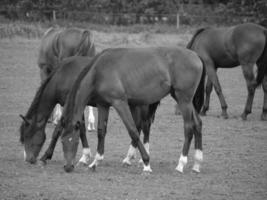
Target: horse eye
column 48, row 70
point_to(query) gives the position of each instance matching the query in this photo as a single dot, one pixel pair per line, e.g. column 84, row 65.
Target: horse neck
column 43, row 109
column 83, row 95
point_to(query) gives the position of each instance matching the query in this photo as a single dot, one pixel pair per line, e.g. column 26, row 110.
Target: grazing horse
column 55, row 90
column 57, row 44
column 243, row 45
column 125, row 77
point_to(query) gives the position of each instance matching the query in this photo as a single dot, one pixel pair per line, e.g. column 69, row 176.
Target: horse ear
column 25, row 119
column 77, row 125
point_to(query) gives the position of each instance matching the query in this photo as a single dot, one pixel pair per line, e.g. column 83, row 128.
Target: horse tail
column 262, row 62
column 190, row 44
column 85, row 44
column 198, row 99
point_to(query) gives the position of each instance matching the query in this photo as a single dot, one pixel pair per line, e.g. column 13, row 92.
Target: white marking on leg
column 146, row 145
column 58, row 113
column 97, row 160
column 130, row 155
column 91, row 119
column 147, row 168
column 198, row 160
column 182, row 162
column 24, row 155
column 86, row 156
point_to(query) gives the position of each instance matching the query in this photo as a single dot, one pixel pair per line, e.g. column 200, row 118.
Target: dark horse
column 243, row 45
column 131, row 77
column 60, row 43
column 55, row 90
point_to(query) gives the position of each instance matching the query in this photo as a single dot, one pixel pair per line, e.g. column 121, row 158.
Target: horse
column 244, row 45
column 125, row 77
column 57, row 44
column 55, row 90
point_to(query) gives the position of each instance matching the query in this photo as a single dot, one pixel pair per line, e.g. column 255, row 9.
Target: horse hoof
column 92, row 167
column 42, row 163
column 203, row 113
column 225, row 116
column 147, row 168
column 244, row 117
column 196, row 168
column 126, row 162
column 179, row 169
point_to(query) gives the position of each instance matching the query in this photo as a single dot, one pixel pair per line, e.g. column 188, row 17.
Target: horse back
column 249, row 41
column 74, row 41
column 46, row 51
column 128, row 70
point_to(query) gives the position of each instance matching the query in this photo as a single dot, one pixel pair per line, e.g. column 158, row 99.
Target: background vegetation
column 127, row 12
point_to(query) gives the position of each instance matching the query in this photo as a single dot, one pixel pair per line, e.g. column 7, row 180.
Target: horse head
column 32, row 136
column 70, row 141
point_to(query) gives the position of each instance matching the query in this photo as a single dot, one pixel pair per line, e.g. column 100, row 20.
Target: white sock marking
column 147, row 168
column 130, row 155
column 182, row 162
column 198, row 160
column 24, row 155
column 146, row 145
column 86, row 156
column 97, row 160
column 58, row 113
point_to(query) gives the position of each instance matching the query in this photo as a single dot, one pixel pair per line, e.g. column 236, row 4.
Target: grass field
column 235, row 161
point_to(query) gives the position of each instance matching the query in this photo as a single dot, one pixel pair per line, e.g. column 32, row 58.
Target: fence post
column 178, row 21
column 54, row 15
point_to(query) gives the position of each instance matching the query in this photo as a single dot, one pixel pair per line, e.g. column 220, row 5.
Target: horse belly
column 148, row 93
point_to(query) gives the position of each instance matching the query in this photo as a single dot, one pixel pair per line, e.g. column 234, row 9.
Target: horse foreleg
column 251, row 86
column 264, row 108
column 49, row 152
column 131, row 154
column 124, row 112
column 57, row 114
column 103, row 113
column 86, row 150
column 91, row 119
column 212, row 75
column 207, row 99
column 146, row 130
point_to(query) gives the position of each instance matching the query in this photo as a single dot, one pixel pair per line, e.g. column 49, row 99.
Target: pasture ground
column 235, row 152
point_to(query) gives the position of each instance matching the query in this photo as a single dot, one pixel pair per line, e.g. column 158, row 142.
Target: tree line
column 134, row 10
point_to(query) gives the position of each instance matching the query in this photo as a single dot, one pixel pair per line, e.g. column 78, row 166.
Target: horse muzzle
column 68, row 168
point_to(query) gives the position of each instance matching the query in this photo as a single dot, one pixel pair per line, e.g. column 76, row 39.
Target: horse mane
column 69, row 109
column 35, row 103
column 190, row 44
column 36, row 99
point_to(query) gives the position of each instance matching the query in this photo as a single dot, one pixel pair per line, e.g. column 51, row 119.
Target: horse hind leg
column 207, row 99
column 248, row 73
column 192, row 127
column 91, row 119
column 264, row 108
column 212, row 75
